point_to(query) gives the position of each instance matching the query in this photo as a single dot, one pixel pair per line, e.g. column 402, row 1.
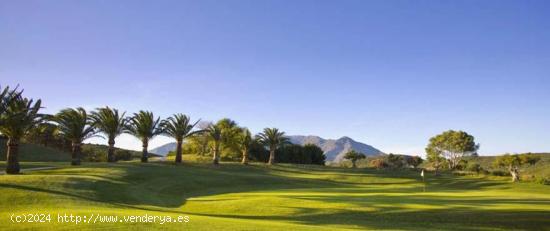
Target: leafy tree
column 179, row 127
column 453, row 146
column 474, row 167
column 18, row 117
column 198, row 143
column 75, row 125
column 435, row 159
column 245, row 141
column 512, row 162
column 297, row 154
column 315, row 153
column 230, row 137
column 273, row 138
column 378, row 163
column 354, row 156
column 414, row 161
column 214, row 131
column 145, row 127
column 395, row 161
column 291, row 153
column 258, row 152
column 111, row 123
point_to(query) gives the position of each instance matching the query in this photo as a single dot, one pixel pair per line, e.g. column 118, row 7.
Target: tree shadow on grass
column 166, row 187
column 384, row 213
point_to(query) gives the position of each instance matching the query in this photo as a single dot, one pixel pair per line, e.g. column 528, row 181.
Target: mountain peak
column 335, row 149
column 346, row 138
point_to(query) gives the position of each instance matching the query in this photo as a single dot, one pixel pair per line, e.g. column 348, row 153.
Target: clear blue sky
column 388, row 73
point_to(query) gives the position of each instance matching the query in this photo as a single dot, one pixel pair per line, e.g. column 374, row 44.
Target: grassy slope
column 34, row 152
column 541, row 168
column 39, row 153
column 234, row 197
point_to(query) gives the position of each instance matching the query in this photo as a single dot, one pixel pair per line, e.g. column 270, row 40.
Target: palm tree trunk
column 75, row 153
column 245, row 156
column 216, row 159
column 145, row 153
column 178, row 151
column 271, row 155
column 111, row 152
column 12, row 157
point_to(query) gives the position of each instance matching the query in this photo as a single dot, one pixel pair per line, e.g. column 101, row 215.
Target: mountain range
column 334, row 149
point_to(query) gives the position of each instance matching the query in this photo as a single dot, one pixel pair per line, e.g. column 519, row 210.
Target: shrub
column 543, row 180
column 462, row 165
column 92, row 154
column 500, row 173
column 121, row 154
column 474, row 167
column 378, row 163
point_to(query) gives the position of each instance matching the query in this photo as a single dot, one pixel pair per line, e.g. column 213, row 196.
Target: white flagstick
column 424, row 182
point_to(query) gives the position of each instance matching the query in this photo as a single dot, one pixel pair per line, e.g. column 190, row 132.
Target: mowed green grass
column 258, row 197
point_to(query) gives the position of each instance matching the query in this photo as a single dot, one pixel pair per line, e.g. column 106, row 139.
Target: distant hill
column 335, row 149
column 163, row 150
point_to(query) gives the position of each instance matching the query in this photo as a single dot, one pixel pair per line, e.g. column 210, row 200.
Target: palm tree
column 110, row 123
column 272, row 137
column 215, row 133
column 75, row 125
column 20, row 115
column 245, row 141
column 145, row 127
column 44, row 133
column 7, row 96
column 179, row 127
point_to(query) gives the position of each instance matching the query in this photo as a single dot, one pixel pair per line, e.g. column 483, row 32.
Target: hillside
column 540, row 169
column 163, row 150
column 34, row 152
column 335, row 149
column 40, row 153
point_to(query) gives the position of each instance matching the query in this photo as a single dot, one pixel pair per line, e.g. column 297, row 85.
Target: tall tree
column 179, row 127
column 453, row 146
column 214, row 132
column 435, row 159
column 414, row 161
column 111, row 123
column 75, row 125
column 230, row 136
column 6, row 96
column 273, row 138
column 354, row 156
column 18, row 117
column 44, row 133
column 145, row 127
column 245, row 141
